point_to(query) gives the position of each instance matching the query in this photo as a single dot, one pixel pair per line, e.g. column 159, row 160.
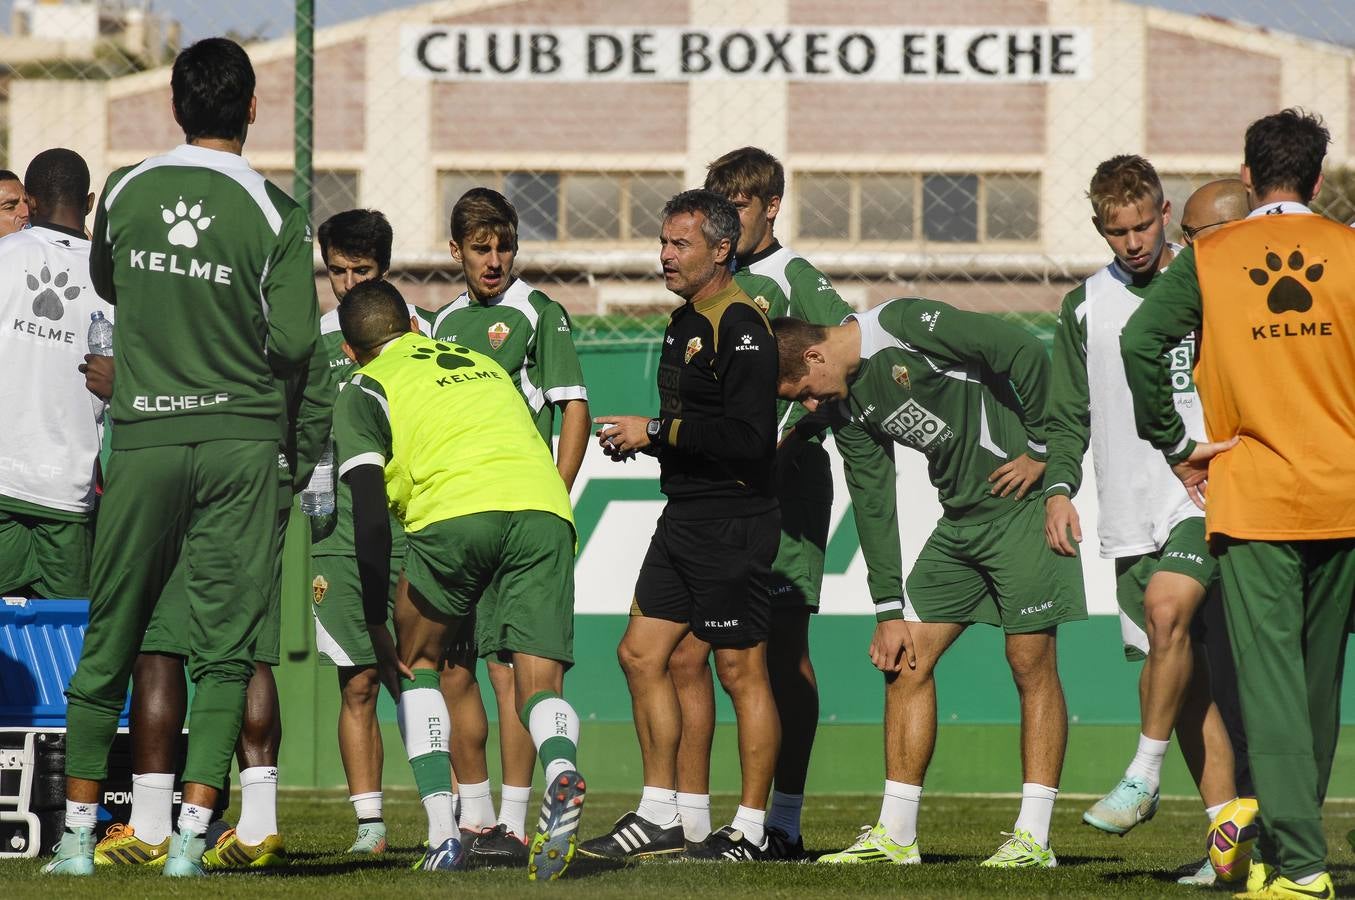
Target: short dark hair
column 748, row 171
column 482, row 210
column 372, row 313
column 793, row 337
column 720, row 218
column 357, row 233
column 58, row 177
column 212, row 83
column 7, row 175
column 1284, row 151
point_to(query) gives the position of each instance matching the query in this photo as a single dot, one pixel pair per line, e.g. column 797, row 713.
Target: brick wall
column 1202, row 96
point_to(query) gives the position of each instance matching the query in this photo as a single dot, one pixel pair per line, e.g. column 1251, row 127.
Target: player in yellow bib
column 439, row 432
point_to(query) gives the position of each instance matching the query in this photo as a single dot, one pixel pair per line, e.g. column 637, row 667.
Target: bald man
column 1213, row 206
column 1210, row 208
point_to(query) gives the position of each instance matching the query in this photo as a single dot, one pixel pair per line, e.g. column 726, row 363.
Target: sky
column 1329, row 20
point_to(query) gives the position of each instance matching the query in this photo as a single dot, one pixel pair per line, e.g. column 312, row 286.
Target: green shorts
column 999, row 572
column 336, row 603
column 44, row 556
column 1186, row 552
column 519, row 566
column 166, row 634
column 805, row 490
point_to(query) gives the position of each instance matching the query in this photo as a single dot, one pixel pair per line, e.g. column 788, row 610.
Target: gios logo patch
column 318, row 589
column 693, row 348
column 498, row 333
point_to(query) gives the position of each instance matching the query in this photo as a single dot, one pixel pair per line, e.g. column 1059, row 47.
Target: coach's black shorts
column 712, row 574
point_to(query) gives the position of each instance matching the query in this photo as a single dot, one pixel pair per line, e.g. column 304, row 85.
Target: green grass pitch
column 956, row 831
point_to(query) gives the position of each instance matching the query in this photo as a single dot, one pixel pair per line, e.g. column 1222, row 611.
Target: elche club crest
column 900, row 374
column 498, row 333
column 693, row 348
column 761, row 303
column 319, row 587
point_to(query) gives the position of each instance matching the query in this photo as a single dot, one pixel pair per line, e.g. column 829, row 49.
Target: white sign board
column 999, row 54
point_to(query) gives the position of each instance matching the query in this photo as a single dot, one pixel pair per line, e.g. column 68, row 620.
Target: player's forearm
column 1143, row 345
column 574, row 431
column 871, row 483
column 371, row 540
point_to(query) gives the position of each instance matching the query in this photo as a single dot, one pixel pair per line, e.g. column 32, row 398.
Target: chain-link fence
column 932, row 148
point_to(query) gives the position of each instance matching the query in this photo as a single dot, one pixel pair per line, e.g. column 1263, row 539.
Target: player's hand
column 1060, row 518
column 891, row 644
column 1194, row 469
column 1017, row 475
column 388, row 665
column 98, row 372
column 621, row 437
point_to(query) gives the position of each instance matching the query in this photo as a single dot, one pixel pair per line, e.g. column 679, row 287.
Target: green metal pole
column 304, row 129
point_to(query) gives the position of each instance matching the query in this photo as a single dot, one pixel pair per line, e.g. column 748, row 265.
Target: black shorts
column 711, row 574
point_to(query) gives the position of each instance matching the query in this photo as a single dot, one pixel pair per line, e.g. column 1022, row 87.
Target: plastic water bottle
column 100, row 335
column 318, row 497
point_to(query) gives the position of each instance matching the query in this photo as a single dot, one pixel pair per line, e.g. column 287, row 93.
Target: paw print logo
column 1288, row 293
column 185, row 221
column 445, row 354
column 47, row 303
column 747, row 339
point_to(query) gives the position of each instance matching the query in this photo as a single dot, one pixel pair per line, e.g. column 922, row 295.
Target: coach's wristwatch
column 653, row 429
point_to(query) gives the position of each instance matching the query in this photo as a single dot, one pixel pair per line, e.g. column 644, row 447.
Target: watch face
column 652, row 429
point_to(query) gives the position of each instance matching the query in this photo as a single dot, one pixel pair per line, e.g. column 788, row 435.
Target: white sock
column 1308, row 879
column 1212, row 811
column 194, row 819
column 367, row 807
column 1147, row 762
column 513, row 803
column 258, row 804
column 658, row 806
column 694, row 810
column 477, row 806
column 554, row 727
column 81, row 815
column 441, row 820
column 1037, row 808
column 152, row 817
column 898, row 811
column 785, row 813
column 753, row 824
column 456, row 807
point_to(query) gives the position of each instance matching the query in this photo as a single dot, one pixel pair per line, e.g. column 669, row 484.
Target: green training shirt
column 211, row 269
column 529, row 335
column 965, row 389
column 783, row 283
column 450, row 431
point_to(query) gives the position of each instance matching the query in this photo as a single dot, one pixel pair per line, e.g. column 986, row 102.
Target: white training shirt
column 1140, row 500
column 53, row 426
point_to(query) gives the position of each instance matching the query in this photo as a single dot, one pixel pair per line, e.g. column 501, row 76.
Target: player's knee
column 740, row 672
column 1167, row 624
column 635, row 661
column 360, row 691
column 1033, row 666
column 689, row 665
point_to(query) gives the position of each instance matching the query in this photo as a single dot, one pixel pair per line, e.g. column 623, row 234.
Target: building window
column 907, row 207
column 573, row 206
column 332, row 191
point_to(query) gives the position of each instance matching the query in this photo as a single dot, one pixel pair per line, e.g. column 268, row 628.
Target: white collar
column 1279, row 208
